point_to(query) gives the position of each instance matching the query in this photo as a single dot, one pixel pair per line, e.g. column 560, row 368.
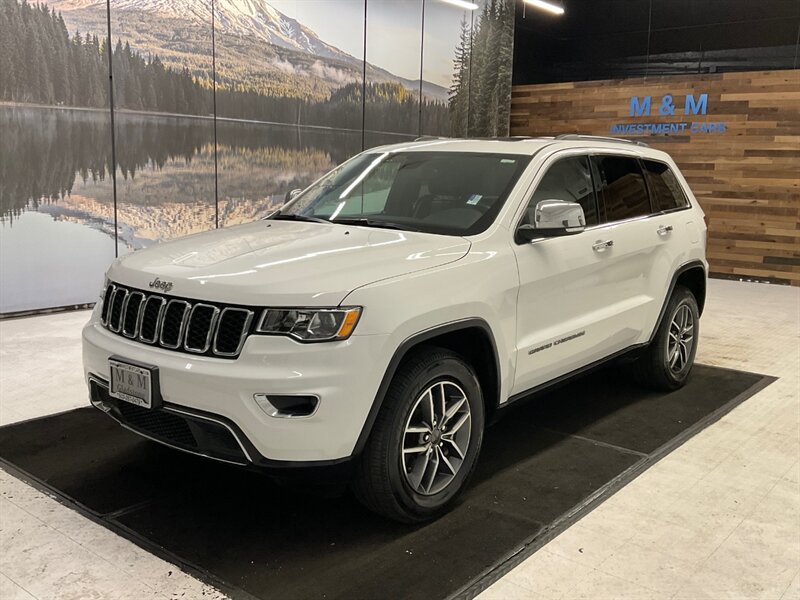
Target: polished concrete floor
column 717, row 518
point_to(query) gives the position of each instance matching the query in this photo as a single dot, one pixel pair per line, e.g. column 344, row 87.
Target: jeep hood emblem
column 157, row 284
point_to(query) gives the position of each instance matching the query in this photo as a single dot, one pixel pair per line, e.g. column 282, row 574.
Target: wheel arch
column 471, row 338
column 694, row 278
column 692, row 275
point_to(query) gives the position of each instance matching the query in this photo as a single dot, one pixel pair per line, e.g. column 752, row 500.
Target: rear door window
column 622, row 187
column 666, row 191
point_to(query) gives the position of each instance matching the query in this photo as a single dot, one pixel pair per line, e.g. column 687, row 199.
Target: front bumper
column 202, row 434
column 196, row 389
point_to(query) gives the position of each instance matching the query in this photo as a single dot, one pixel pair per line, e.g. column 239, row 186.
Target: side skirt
column 531, row 393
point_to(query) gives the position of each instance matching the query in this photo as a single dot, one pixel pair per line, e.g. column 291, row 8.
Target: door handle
column 602, row 245
column 664, row 230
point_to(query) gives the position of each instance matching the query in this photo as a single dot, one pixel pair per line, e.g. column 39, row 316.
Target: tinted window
column 624, row 192
column 568, row 179
column 664, row 187
column 457, row 193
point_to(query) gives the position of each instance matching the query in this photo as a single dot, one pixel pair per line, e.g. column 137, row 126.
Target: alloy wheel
column 681, row 339
column 436, row 437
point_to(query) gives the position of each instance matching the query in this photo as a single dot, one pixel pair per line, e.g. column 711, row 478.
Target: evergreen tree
column 150, row 96
column 486, row 95
column 505, row 47
column 7, row 73
column 61, row 84
column 458, row 101
column 487, row 73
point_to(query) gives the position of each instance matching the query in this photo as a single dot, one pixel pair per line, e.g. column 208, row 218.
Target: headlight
column 310, row 324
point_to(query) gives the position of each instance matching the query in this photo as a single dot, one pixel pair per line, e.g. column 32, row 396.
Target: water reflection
column 165, row 168
column 57, row 162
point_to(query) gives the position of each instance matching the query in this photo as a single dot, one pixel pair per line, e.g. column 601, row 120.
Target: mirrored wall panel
column 446, row 61
column 393, row 60
column 164, row 119
column 490, row 65
column 56, row 202
column 288, row 99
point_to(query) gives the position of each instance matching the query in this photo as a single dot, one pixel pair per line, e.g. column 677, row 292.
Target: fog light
column 287, row 406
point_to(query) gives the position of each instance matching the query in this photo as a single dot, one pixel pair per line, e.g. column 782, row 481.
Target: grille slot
column 115, row 312
column 106, row 303
column 178, row 324
column 173, row 323
column 233, row 323
column 200, row 327
column 130, row 321
column 148, row 328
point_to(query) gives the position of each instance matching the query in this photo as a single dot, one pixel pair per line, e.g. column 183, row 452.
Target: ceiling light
column 462, row 4
column 550, row 7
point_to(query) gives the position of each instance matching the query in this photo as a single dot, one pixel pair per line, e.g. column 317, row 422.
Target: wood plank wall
column 747, row 179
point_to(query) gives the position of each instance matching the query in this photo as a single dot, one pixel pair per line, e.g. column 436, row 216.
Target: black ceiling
column 602, row 39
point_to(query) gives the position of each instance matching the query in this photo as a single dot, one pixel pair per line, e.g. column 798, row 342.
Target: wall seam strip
column 421, row 62
column 364, row 84
column 110, row 54
column 214, row 104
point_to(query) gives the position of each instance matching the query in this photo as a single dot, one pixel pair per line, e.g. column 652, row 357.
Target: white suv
column 384, row 314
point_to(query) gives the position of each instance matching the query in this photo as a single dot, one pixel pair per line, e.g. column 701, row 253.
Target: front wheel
column 426, row 440
column 668, row 360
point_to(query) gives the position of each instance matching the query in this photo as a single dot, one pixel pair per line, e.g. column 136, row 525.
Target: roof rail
column 511, row 138
column 599, row 138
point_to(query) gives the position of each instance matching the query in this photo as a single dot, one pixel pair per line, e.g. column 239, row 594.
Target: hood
column 284, row 263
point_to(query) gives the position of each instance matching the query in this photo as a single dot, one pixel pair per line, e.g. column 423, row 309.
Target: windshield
column 455, row 193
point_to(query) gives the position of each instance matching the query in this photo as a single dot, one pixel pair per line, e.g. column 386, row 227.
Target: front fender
column 478, row 290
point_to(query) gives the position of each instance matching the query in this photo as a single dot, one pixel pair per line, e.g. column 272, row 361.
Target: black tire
column 380, row 480
column 653, row 368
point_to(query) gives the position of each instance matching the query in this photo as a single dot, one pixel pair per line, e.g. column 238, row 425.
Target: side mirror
column 553, row 218
column 291, row 195
column 275, row 210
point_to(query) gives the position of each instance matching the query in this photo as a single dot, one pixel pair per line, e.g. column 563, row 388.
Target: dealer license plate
column 131, row 383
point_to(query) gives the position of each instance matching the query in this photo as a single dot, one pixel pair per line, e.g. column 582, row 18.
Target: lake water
column 58, row 231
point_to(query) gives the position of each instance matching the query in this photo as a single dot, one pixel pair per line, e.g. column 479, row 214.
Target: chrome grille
column 176, row 323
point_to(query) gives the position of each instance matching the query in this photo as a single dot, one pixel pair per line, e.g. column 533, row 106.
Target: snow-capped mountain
column 256, row 21
column 255, row 18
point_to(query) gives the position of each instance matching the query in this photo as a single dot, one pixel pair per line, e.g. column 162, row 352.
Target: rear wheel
column 426, row 440
column 668, row 360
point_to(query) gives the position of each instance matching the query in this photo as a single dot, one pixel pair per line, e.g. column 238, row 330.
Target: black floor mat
column 542, row 466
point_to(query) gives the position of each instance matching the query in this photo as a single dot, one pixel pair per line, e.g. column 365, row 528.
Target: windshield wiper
column 296, row 217
column 364, row 222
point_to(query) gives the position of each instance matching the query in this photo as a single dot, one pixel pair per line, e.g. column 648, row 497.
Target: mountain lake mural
column 219, row 109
